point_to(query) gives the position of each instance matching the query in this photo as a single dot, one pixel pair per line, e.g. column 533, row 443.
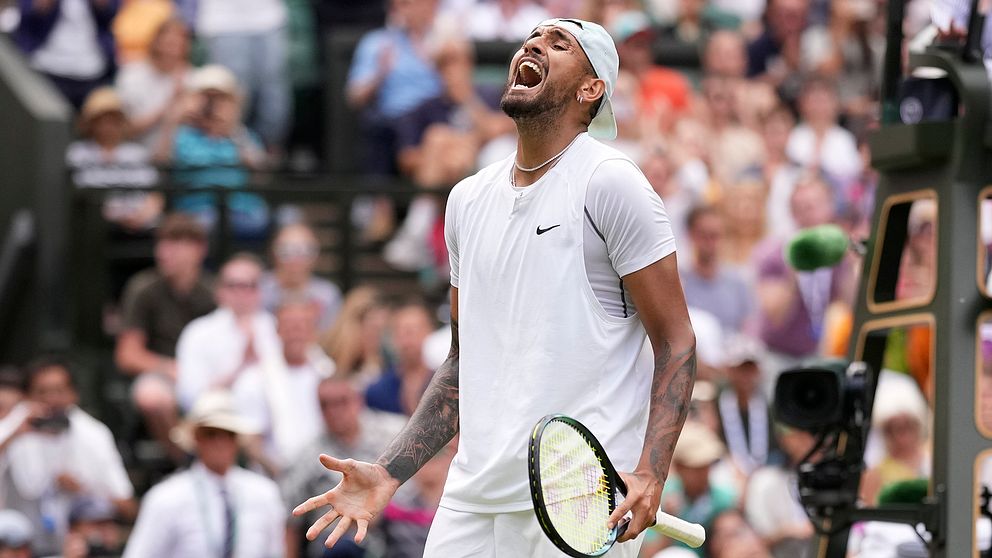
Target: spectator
column 354, row 342
column 69, row 41
column 779, row 171
column 209, row 147
column 350, row 431
column 775, row 56
column 660, row 170
column 278, row 394
column 104, row 159
column 734, row 148
column 645, row 92
column 818, row 143
column 150, row 88
column 439, row 144
column 792, row 304
column 93, row 531
column 901, row 415
column 743, row 203
column 392, row 72
column 404, row 380
column 214, row 508
column 407, row 518
column 504, row 20
column 215, row 349
column 732, row 537
column 708, row 285
column 772, row 505
column 136, row 25
column 744, row 410
column 693, row 495
column 249, row 38
column 60, row 455
column 725, row 55
column 157, row 305
column 295, row 250
column 850, row 53
column 15, row 535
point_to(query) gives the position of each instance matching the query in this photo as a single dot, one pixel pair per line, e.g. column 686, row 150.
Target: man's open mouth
column 529, row 75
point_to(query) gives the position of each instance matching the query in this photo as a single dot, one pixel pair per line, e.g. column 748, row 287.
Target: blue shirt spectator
column 408, row 78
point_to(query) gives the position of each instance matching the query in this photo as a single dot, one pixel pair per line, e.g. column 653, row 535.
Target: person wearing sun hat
column 696, row 495
column 103, row 157
column 561, row 260
column 214, row 508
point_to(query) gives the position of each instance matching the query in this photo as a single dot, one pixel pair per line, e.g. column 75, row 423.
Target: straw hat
column 214, row 77
column 698, row 446
column 101, row 101
column 744, row 348
column 214, row 409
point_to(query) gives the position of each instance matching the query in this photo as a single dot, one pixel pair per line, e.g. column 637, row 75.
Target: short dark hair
column 42, row 364
column 181, row 226
column 698, row 212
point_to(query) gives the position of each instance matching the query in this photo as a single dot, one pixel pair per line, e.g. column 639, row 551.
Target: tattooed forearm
column 433, row 424
column 671, row 391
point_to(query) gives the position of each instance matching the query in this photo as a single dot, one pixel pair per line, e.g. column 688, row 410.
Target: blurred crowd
column 243, row 371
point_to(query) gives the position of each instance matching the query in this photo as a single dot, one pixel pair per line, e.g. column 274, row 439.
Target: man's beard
column 547, row 105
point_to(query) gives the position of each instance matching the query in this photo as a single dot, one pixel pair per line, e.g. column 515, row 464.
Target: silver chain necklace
column 549, row 161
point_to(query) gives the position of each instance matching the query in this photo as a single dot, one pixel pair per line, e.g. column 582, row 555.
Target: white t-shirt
column 534, row 338
column 837, row 154
column 72, row 49
column 213, row 346
column 299, row 410
column 183, row 516
column 486, row 21
column 221, row 17
column 145, row 91
column 34, row 460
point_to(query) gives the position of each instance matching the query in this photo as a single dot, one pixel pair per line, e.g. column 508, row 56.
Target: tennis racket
column 575, row 487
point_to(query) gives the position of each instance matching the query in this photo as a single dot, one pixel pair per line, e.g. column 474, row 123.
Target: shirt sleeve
column 192, row 371
column 365, row 61
column 629, row 215
column 151, row 536
column 135, row 307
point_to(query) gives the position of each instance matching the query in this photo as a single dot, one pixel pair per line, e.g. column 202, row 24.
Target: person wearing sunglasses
column 215, row 349
column 295, row 250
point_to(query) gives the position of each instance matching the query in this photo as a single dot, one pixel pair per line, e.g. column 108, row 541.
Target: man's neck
column 539, row 140
column 706, row 270
column 183, row 283
column 291, row 281
column 295, row 358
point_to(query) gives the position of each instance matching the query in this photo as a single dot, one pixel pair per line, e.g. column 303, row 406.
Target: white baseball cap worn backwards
column 602, row 54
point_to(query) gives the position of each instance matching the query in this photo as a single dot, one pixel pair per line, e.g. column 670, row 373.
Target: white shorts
column 456, row 534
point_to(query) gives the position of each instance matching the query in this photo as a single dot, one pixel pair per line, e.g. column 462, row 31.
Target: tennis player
column 562, row 258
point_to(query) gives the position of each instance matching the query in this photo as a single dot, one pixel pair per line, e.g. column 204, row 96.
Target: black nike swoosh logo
column 542, row 231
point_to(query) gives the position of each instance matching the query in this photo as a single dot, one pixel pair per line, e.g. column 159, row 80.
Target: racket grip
column 681, row 530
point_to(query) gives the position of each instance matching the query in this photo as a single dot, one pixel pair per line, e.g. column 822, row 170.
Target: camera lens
column 808, row 399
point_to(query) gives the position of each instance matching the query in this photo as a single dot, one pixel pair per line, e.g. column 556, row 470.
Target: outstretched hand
column 642, row 500
column 363, row 493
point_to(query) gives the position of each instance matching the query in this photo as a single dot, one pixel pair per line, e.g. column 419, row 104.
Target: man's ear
column 591, row 90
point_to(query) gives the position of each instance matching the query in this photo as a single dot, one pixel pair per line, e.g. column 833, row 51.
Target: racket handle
column 681, row 530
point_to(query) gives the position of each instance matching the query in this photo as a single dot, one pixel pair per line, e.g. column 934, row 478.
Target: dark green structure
column 949, row 162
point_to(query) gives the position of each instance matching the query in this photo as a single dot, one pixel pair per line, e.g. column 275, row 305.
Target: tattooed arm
column 366, row 488
column 435, row 422
column 658, row 297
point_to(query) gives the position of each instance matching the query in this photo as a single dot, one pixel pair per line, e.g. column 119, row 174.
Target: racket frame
column 613, row 480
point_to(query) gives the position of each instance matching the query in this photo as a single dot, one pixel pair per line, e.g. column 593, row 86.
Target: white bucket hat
column 602, row 54
column 214, row 409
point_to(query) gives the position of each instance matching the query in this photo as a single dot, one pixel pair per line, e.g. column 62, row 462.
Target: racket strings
column 577, row 493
